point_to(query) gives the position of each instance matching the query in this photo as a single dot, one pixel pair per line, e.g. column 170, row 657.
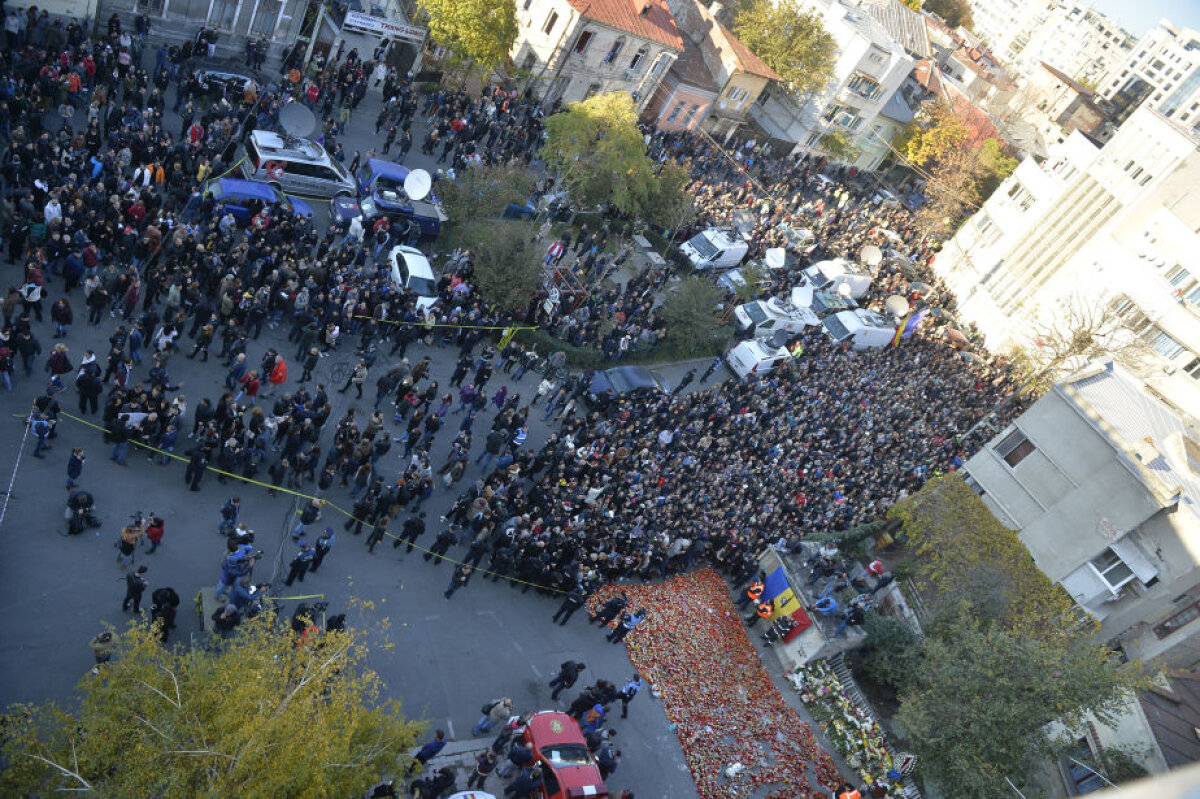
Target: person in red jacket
column 278, row 375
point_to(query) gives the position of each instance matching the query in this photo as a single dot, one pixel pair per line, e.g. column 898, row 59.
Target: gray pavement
column 449, row 657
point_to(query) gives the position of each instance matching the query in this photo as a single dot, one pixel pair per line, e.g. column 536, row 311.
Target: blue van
column 381, row 185
column 245, row 198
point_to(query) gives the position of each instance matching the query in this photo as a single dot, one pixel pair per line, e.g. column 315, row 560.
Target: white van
column 295, row 166
column 754, row 356
column 765, row 318
column 831, row 275
column 860, row 328
column 715, row 248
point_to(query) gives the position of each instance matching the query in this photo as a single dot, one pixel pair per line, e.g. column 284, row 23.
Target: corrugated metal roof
column 1119, row 400
column 905, row 26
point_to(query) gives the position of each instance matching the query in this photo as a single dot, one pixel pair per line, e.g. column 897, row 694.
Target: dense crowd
column 105, row 209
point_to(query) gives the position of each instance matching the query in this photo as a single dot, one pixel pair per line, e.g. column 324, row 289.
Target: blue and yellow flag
column 777, row 589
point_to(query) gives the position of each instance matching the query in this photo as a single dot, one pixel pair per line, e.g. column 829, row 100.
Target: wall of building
column 235, row 20
column 560, row 72
column 682, row 107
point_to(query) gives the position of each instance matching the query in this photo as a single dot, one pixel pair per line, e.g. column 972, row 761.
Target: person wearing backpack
column 494, row 712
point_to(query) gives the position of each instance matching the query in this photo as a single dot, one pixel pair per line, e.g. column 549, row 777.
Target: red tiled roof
column 747, row 60
column 656, row 23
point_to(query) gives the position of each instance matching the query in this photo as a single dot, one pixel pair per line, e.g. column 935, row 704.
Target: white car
column 411, row 270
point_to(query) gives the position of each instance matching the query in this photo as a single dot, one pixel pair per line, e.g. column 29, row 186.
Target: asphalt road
column 449, row 656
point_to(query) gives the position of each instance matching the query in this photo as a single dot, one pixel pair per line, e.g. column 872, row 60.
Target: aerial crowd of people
column 106, row 223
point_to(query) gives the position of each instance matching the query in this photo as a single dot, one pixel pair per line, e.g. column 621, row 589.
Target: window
column 551, row 21
column 1183, row 617
column 973, row 484
column 1014, row 448
column 592, row 90
column 1112, row 570
column 1178, row 275
column 676, row 112
column 266, row 16
column 638, row 58
column 1081, row 779
column 1163, row 344
column 615, row 50
column 222, row 14
column 659, row 65
column 1193, row 368
column 737, row 95
column 581, row 44
column 530, row 61
column 687, row 120
column 154, row 7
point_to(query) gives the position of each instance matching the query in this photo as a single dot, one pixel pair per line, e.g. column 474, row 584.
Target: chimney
column 645, row 9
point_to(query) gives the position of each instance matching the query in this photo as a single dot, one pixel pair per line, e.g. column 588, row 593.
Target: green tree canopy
column 792, row 40
column 482, row 192
column 481, row 30
column 975, row 705
column 954, row 12
column 507, row 261
column 1005, row 651
column 259, row 716
column 667, row 204
column 599, row 153
column 693, row 316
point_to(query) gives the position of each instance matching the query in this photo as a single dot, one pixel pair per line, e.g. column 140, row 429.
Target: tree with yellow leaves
column 599, row 154
column 265, row 714
column 480, row 30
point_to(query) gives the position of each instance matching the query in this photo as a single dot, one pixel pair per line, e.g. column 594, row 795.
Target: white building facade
column 1100, row 478
column 1076, row 40
column 572, row 49
column 870, row 66
column 1163, row 72
column 1114, row 228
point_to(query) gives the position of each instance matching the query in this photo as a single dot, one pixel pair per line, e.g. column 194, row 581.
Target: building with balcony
column 870, row 66
column 1162, row 71
column 1076, row 40
column 1101, row 479
column 572, row 49
column 1113, row 229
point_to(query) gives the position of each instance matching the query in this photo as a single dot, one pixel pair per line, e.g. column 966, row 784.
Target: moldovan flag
column 777, row 589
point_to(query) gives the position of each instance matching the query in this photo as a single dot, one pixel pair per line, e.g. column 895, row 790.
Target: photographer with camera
column 236, row 564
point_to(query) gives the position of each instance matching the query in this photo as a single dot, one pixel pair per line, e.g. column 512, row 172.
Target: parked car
column 245, row 198
column 568, row 769
column 411, row 270
column 295, row 165
column 623, row 382
column 381, row 186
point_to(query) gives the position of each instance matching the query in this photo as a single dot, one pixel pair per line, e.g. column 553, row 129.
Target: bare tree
column 1083, row 329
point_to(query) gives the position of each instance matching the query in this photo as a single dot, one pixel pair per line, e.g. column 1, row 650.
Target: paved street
column 449, row 656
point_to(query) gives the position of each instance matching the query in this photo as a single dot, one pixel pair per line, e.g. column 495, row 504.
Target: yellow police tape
column 323, row 502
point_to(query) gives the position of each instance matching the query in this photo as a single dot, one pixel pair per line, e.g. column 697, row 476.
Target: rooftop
column 690, row 69
column 1158, row 438
column 904, row 25
column 1064, row 78
column 747, row 60
column 649, row 19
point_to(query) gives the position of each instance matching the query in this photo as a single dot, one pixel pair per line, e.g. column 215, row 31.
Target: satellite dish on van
column 896, row 305
column 297, row 120
column 871, row 255
column 844, row 290
column 417, row 184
